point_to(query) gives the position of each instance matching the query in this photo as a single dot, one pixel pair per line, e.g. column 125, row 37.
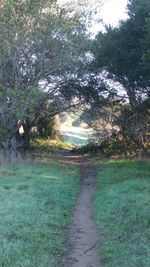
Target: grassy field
column 77, row 136
column 122, row 213
column 35, row 206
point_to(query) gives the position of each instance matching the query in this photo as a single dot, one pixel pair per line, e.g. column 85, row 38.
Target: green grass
column 50, row 144
column 122, row 213
column 35, row 206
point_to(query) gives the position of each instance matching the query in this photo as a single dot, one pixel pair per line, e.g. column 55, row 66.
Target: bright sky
column 112, row 11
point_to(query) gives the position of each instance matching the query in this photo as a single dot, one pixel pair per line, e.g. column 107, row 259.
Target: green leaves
column 124, row 54
column 40, row 44
column 120, row 51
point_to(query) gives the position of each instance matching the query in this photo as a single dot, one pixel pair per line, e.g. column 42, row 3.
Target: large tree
column 122, row 54
column 41, row 47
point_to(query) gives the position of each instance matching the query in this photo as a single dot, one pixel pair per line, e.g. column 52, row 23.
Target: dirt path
column 82, row 234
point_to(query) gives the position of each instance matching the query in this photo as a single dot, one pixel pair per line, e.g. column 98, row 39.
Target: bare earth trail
column 83, row 241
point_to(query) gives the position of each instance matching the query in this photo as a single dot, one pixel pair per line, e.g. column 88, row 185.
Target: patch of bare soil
column 82, row 235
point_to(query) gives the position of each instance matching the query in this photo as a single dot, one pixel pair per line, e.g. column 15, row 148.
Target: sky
column 111, row 12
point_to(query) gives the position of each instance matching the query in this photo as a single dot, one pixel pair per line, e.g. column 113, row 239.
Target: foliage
column 120, row 51
column 49, row 144
column 41, row 45
column 91, row 149
column 122, row 54
column 101, row 116
column 36, row 201
column 134, row 123
column 116, row 145
column 121, row 210
column 45, row 127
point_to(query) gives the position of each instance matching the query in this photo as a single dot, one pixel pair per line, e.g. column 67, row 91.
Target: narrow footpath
column 83, row 241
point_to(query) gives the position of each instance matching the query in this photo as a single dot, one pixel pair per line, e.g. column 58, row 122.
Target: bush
column 115, row 144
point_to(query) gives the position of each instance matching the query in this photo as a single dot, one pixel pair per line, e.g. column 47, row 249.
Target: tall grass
column 35, row 206
column 122, row 213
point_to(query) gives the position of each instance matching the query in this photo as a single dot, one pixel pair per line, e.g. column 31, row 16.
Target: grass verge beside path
column 122, row 213
column 35, row 206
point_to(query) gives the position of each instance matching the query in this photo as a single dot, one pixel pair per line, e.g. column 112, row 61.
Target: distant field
column 35, row 205
column 77, row 136
column 122, row 213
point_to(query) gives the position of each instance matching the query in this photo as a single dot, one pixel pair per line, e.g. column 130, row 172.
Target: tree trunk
column 11, row 147
column 26, row 134
column 145, row 153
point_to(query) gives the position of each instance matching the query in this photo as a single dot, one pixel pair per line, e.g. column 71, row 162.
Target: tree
column 40, row 47
column 121, row 53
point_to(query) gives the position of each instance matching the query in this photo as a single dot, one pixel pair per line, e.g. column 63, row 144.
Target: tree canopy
column 41, row 46
column 48, row 63
column 122, row 53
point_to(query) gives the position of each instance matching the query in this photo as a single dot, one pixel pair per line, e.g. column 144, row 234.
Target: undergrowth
column 49, row 144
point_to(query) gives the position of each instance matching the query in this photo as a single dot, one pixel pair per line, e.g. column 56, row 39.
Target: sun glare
column 114, row 11
column 111, row 12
